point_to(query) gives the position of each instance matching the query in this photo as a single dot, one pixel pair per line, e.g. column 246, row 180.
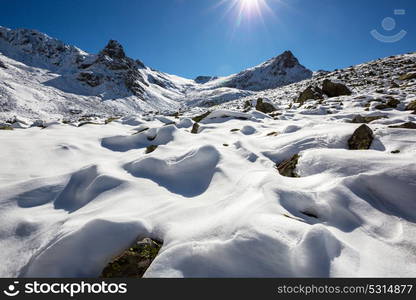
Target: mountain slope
column 276, row 72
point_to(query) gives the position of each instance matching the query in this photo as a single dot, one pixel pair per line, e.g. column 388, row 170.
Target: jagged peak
column 286, row 60
column 113, row 49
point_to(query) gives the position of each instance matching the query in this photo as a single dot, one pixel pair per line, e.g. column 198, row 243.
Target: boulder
column 366, row 119
column 361, row 138
column 133, row 262
column 411, row 105
column 310, row 92
column 151, row 148
column 264, row 107
column 287, row 167
column 195, row 128
column 335, row 89
column 408, row 125
column 408, row 76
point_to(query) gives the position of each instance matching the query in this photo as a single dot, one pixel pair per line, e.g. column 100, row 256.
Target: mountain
column 276, row 72
column 43, row 77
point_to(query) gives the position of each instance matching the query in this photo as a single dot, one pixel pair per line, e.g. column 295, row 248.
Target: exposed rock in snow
column 361, row 138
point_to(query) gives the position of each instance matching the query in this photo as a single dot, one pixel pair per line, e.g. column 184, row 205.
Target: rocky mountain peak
column 287, row 59
column 114, row 50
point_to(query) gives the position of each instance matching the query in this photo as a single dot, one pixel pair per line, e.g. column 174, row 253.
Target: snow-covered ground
column 77, row 191
column 74, row 197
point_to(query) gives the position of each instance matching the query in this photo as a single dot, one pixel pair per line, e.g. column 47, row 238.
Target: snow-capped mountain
column 276, row 72
column 43, row 77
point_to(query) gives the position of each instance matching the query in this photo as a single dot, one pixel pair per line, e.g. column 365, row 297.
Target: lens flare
column 246, row 10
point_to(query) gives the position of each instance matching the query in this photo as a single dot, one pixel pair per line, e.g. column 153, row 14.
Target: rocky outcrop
column 133, row 262
column 361, row 138
column 335, row 89
column 287, row 168
column 90, row 78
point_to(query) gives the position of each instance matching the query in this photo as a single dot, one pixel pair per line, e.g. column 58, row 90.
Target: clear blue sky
column 204, row 37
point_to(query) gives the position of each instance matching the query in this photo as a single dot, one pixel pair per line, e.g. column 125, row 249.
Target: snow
column 73, row 197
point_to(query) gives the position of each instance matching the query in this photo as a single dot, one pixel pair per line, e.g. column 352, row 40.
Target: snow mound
column 154, row 136
column 189, row 175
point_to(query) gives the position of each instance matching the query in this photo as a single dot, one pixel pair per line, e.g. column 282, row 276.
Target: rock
column 408, row 76
column 38, row 123
column 264, row 107
column 361, row 138
column 133, row 262
column 3, row 65
column 199, row 118
column 391, row 103
column 151, row 148
column 195, row 128
column 411, row 105
column 310, row 92
column 395, row 152
column 90, row 78
column 204, row 79
column 287, row 167
column 114, row 50
column 4, row 126
column 366, row 119
column 408, row 125
column 334, row 89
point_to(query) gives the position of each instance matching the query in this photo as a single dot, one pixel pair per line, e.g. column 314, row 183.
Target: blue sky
column 205, row 37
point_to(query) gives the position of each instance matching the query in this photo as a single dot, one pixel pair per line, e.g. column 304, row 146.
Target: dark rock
column 234, row 130
column 366, row 119
column 411, row 105
column 287, row 167
column 38, row 123
column 333, row 89
column 133, row 262
column 199, row 118
column 264, row 107
column 5, row 127
column 204, row 79
column 195, row 128
column 3, row 65
column 90, row 78
column 361, row 138
column 391, row 103
column 408, row 125
column 113, row 50
column 151, row 148
column 408, row 76
column 395, row 152
column 310, row 92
